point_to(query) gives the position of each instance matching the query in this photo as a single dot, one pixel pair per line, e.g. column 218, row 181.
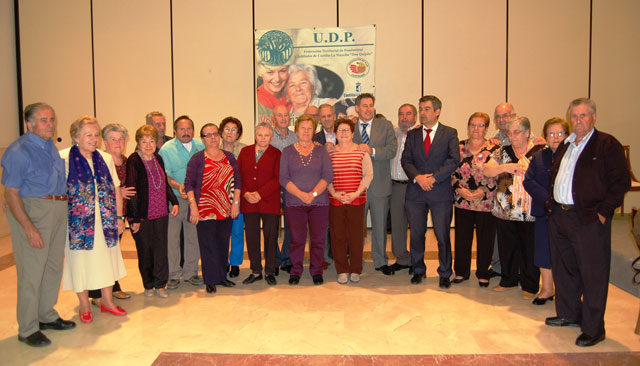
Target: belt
column 566, row 207
column 55, row 198
column 400, row 181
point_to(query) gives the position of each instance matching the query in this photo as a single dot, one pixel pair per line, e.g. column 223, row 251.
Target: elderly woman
column 93, row 258
column 536, row 182
column 114, row 137
column 352, row 174
column 213, row 187
column 148, row 211
column 473, row 198
column 260, row 201
column 231, row 128
column 512, row 209
column 305, row 173
column 304, row 88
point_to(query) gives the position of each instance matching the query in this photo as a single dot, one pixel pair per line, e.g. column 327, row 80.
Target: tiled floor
column 378, row 316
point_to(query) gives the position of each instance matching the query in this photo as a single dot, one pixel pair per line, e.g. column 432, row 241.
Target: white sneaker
column 343, row 278
column 355, row 277
column 148, row 292
column 162, row 293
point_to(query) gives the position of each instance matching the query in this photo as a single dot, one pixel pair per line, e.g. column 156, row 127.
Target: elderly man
column 430, row 156
column 313, row 111
column 36, row 193
column 375, row 137
column 157, row 120
column 283, row 137
column 589, row 178
column 407, row 115
column 176, row 153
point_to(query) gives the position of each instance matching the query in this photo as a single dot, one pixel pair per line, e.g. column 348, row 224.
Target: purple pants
column 316, row 217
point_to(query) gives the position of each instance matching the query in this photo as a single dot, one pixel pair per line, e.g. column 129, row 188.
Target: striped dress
column 217, row 189
column 347, row 174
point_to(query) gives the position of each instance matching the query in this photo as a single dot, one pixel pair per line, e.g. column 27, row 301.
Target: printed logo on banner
column 275, row 48
column 358, row 67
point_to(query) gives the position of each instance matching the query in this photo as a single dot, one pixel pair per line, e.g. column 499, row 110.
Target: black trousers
column 270, row 237
column 213, row 238
column 516, row 248
column 151, row 245
column 485, row 225
column 581, row 261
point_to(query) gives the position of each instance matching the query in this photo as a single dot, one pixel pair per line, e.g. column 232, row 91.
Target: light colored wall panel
column 56, row 58
column 132, row 41
column 465, row 58
column 398, row 39
column 213, row 62
column 548, row 57
column 288, row 14
column 8, row 79
column 615, row 76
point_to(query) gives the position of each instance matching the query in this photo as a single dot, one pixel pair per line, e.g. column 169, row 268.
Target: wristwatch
column 121, row 218
column 314, row 194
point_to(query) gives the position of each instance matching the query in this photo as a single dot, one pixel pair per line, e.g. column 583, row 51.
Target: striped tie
column 365, row 136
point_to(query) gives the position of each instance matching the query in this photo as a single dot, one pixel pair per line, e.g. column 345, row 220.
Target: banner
column 298, row 68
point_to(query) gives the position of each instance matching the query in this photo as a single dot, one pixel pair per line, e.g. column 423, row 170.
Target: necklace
column 302, row 159
column 156, row 186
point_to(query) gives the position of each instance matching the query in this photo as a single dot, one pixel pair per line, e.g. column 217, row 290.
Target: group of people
column 547, row 202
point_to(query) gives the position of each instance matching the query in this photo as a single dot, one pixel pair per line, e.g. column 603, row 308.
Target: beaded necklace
column 302, row 157
column 156, row 186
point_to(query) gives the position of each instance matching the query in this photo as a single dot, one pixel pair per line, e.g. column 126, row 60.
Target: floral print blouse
column 469, row 175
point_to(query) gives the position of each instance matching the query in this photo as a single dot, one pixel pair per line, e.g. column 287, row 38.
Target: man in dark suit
column 588, row 181
column 375, row 136
column 431, row 154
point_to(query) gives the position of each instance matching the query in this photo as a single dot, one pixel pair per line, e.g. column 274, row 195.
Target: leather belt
column 400, row 181
column 566, row 207
column 64, row 197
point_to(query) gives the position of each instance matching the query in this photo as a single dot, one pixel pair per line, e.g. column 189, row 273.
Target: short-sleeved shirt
column 176, row 157
column 34, row 167
column 217, row 188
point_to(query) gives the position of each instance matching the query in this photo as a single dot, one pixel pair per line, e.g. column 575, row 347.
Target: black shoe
column 294, row 280
column 211, row 288
column 557, row 321
column 459, row 280
column 386, row 270
column 226, row 283
column 397, row 267
column 493, row 273
column 58, row 324
column 416, row 279
column 251, row 279
column 286, row 268
column 542, row 300
column 585, row 340
column 271, row 280
column 37, row 339
column 234, row 271
column 277, row 272
column 318, row 280
column 444, row 282
column 483, row 284
column 410, row 270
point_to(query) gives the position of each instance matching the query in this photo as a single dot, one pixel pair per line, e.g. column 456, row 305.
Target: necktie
column 365, row 136
column 427, row 142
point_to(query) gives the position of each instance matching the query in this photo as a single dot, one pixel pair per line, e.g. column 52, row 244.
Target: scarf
column 81, row 188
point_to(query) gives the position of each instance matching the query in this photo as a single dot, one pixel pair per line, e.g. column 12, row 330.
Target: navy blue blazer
column 320, row 138
column 443, row 159
column 536, row 180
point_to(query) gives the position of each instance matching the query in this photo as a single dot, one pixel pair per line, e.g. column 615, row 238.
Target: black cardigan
column 138, row 205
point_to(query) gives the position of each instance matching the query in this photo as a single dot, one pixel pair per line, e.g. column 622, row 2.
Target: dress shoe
column 58, row 324
column 162, row 293
column 585, row 340
column 173, row 284
column 317, row 279
column 86, row 317
column 37, row 339
column 277, row 272
column 121, row 295
column 234, row 271
column 483, row 284
column 294, row 280
column 444, row 282
column 227, row 283
column 528, row 295
column 96, row 302
column 211, row 289
column 502, row 288
column 115, row 311
column 386, row 270
column 354, row 277
column 195, row 280
column 542, row 300
column 343, row 278
column 410, row 270
column 271, row 280
column 286, row 268
column 148, row 292
column 459, row 279
column 493, row 273
column 251, row 279
column 557, row 321
column 397, row 266
column 417, row 278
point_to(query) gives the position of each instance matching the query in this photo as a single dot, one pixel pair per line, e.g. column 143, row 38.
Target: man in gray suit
column 375, row 136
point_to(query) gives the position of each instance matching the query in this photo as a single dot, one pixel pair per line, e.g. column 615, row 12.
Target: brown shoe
column 502, row 289
column 96, row 302
column 121, row 295
column 527, row 295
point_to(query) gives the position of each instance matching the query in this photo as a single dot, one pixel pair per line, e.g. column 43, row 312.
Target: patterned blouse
column 469, row 175
column 158, row 206
column 217, row 189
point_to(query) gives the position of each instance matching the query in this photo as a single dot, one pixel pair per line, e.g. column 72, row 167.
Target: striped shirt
column 350, row 170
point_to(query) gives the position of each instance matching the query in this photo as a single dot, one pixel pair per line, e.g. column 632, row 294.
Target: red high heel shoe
column 115, row 311
column 86, row 317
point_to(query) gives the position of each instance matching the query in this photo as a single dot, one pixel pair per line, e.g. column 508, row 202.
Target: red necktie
column 427, row 142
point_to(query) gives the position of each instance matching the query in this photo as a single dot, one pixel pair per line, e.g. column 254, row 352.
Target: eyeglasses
column 514, row 133
column 344, row 130
column 559, row 134
column 477, row 126
column 210, row 135
column 230, row 129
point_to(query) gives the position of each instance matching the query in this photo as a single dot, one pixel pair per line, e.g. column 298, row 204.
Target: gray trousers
column 39, row 270
column 191, row 247
column 399, row 224
column 379, row 207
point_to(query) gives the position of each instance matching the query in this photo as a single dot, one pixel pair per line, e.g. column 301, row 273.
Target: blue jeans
column 237, row 241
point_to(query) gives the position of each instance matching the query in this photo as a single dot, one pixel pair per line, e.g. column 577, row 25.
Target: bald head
column 503, row 113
